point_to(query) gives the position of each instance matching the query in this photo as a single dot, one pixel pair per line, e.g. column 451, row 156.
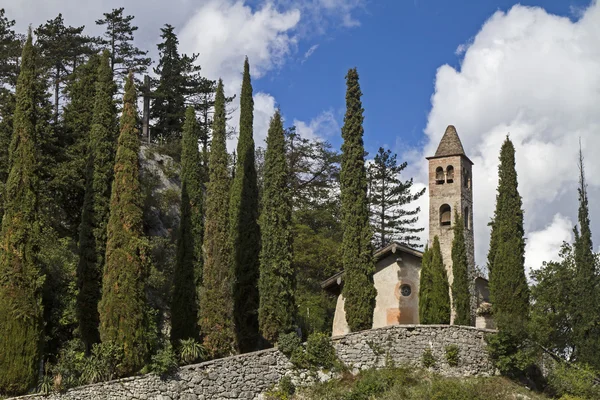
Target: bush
column 69, row 365
column 510, row 354
column 452, row 355
column 190, row 351
column 428, row 359
column 103, row 364
column 284, row 391
column 567, row 381
column 288, row 343
column 164, row 362
column 320, row 351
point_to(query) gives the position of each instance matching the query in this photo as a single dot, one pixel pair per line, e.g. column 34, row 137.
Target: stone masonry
column 249, row 375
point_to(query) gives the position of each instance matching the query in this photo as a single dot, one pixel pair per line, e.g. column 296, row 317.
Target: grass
column 413, row 384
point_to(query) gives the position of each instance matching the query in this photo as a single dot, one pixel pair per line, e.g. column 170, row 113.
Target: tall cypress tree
column 216, row 299
column 21, row 280
column 508, row 285
column 357, row 256
column 440, row 293
column 425, row 287
column 461, row 298
column 277, row 278
column 243, row 225
column 586, row 310
column 188, row 269
column 101, row 148
column 122, row 308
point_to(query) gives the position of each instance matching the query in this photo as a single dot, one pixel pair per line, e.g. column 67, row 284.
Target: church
column 398, row 267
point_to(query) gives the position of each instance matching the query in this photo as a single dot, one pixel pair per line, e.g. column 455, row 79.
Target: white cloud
column 544, row 245
column 264, row 108
column 309, row 52
column 322, row 126
column 534, row 76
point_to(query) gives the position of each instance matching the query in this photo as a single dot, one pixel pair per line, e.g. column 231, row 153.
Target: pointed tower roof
column 450, row 145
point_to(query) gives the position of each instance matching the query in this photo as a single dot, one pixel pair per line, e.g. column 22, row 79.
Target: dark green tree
column 101, row 149
column 243, row 225
column 216, row 299
column 357, row 256
column 389, row 197
column 21, row 280
column 118, row 39
column 277, row 276
column 508, row 285
column 188, row 268
column 10, row 51
column 425, row 288
column 122, row 309
column 586, row 310
column 461, row 298
column 440, row 293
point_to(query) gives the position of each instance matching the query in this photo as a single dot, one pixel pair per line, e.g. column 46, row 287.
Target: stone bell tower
column 450, row 191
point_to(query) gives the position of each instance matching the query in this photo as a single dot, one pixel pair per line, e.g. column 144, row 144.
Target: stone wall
column 247, row 376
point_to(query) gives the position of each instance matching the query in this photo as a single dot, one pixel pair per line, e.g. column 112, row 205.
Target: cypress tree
column 440, row 293
column 425, row 288
column 243, row 225
column 21, row 280
column 461, row 298
column 586, row 311
column 277, row 278
column 122, row 307
column 508, row 285
column 357, row 257
column 188, row 268
column 96, row 204
column 216, row 299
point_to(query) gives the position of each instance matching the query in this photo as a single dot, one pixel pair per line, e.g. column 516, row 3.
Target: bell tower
column 450, row 191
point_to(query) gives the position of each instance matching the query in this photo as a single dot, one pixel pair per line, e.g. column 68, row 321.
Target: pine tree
column 425, row 288
column 277, row 277
column 188, row 269
column 243, row 225
column 389, row 197
column 461, row 298
column 357, row 257
column 508, row 285
column 216, row 299
column 96, row 204
column 21, row 280
column 118, row 39
column 586, row 311
column 122, row 308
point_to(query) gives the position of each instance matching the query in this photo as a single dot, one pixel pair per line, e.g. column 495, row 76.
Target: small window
column 439, row 176
column 466, row 178
column 405, row 290
column 466, row 217
column 450, row 174
column 445, row 215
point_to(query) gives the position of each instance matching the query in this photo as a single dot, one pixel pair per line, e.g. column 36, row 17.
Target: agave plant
column 190, row 351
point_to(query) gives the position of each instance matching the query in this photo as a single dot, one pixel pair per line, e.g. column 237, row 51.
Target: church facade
column 398, row 267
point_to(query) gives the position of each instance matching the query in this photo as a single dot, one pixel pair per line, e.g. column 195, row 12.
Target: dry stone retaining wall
column 247, row 376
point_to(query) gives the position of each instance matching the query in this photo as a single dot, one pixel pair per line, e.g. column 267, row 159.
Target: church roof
column 450, row 145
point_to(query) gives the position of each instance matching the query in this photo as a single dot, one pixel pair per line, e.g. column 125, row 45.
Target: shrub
column 190, row 350
column 69, row 365
column 567, row 381
column 510, row 354
column 288, row 343
column 428, row 359
column 103, row 364
column 45, row 385
column 164, row 362
column 452, row 355
column 320, row 351
column 284, row 391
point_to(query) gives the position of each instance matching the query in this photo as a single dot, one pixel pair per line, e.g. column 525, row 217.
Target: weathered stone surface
column 247, row 376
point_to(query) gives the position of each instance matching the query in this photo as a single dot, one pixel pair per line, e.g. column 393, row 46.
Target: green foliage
column 245, row 231
column 69, row 364
column 512, row 356
column 388, row 198
column 21, row 280
column 427, row 358
column 216, row 299
column 122, row 309
column 103, row 364
column 578, row 380
column 461, row 298
column 191, row 351
column 320, row 351
column 452, row 356
column 357, row 258
column 284, row 390
column 46, row 385
column 508, row 286
column 101, row 148
column 277, row 276
column 287, row 343
column 434, row 297
column 164, row 362
column 188, row 268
